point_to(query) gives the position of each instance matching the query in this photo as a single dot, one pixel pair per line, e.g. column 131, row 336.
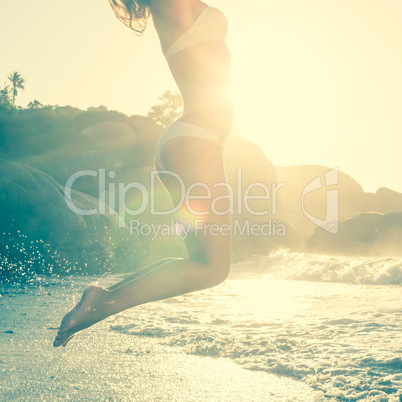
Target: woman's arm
column 173, row 17
column 171, row 9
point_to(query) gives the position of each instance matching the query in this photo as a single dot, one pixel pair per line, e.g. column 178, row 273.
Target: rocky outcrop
column 57, row 143
column 362, row 234
column 259, row 227
column 295, row 181
column 41, row 234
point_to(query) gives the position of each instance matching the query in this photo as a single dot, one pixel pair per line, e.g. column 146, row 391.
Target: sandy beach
column 263, row 335
column 110, row 366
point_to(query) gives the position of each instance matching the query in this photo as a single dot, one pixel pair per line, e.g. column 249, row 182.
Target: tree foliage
column 5, row 98
column 34, row 104
column 168, row 109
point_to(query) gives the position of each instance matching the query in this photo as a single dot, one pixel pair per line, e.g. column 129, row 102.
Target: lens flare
column 194, row 213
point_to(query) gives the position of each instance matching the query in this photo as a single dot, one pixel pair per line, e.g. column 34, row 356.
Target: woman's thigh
column 198, row 187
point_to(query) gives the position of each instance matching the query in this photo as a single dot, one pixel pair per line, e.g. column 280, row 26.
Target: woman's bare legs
column 140, row 272
column 195, row 160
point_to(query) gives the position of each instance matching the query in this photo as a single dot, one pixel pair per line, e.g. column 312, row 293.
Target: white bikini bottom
column 182, row 129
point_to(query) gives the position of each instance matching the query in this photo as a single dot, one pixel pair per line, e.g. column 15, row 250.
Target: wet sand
column 100, row 364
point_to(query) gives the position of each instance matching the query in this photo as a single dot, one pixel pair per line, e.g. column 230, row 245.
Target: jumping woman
column 192, row 37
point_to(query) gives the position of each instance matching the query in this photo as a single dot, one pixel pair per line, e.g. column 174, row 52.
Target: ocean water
column 332, row 323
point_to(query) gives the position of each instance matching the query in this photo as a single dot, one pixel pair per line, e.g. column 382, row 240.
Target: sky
column 313, row 81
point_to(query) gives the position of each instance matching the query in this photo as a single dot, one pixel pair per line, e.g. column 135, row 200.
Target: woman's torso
column 201, row 71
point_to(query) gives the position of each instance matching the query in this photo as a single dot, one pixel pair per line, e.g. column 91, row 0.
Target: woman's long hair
column 132, row 13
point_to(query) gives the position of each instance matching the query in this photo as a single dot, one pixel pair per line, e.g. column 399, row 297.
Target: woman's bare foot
column 87, row 312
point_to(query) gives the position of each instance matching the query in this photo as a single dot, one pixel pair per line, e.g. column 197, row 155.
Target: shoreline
column 101, row 364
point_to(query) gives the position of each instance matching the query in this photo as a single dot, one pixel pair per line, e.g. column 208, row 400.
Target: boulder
column 92, row 161
column 362, row 234
column 41, row 234
column 258, row 226
column 295, row 179
column 246, row 165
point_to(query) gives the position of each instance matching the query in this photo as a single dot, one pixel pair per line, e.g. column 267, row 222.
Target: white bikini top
column 210, row 24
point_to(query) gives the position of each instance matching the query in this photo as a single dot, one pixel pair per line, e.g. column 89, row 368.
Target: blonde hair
column 132, row 13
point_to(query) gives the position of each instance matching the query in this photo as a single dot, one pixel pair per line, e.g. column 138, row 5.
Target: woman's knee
column 218, row 273
column 216, row 270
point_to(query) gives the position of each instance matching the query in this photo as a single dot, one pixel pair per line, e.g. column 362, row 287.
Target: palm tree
column 17, row 82
column 34, row 104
